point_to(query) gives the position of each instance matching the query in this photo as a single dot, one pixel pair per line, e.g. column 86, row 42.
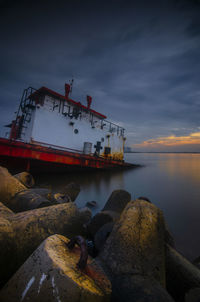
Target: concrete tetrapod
column 99, row 220
column 9, row 186
column 117, row 201
column 51, row 274
column 28, row 200
column 181, row 274
column 4, row 211
column 136, row 243
column 26, row 179
column 134, row 254
column 72, row 190
column 26, row 230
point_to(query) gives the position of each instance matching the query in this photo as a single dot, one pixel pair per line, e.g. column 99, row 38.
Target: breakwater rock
column 51, row 274
column 21, row 233
column 132, row 252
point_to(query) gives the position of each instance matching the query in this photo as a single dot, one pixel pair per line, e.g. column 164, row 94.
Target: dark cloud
column 138, row 59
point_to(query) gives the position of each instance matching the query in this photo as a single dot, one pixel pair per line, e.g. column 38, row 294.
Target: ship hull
column 19, row 156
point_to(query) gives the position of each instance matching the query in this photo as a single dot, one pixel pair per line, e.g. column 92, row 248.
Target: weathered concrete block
column 26, row 179
column 181, row 274
column 117, row 201
column 27, row 230
column 72, row 190
column 136, row 244
column 9, row 186
column 51, row 274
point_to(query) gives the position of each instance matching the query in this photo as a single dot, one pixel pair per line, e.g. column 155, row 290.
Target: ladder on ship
column 23, row 116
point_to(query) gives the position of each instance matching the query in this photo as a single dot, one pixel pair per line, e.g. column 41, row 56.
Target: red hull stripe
column 15, row 149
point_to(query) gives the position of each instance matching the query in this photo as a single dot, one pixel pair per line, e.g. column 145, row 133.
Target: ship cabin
column 50, row 119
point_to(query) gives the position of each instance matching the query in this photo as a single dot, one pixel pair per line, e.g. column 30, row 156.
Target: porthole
column 75, row 131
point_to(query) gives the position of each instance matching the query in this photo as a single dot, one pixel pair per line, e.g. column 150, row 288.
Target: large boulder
column 9, row 186
column 117, row 201
column 181, row 274
column 26, row 179
column 51, row 274
column 72, row 190
column 136, row 245
column 28, row 229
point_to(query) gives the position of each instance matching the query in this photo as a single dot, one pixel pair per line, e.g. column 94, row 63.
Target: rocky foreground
column 53, row 251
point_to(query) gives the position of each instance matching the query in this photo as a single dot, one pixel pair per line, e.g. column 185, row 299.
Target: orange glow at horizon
column 172, row 140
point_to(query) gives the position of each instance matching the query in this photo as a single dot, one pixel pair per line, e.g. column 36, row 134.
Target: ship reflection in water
column 170, row 181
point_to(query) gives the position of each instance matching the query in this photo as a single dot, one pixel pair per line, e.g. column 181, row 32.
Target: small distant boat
column 53, row 132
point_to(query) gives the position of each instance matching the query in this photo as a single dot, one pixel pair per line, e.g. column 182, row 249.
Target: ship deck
column 19, row 156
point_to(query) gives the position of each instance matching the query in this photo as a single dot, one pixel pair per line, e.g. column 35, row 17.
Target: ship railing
column 51, row 146
column 112, row 128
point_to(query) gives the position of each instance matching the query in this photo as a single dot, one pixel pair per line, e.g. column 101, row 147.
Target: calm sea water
column 170, row 181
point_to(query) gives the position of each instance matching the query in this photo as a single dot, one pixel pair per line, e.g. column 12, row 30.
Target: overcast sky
column 139, row 60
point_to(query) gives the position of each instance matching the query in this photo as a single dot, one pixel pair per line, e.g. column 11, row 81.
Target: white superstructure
column 50, row 119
